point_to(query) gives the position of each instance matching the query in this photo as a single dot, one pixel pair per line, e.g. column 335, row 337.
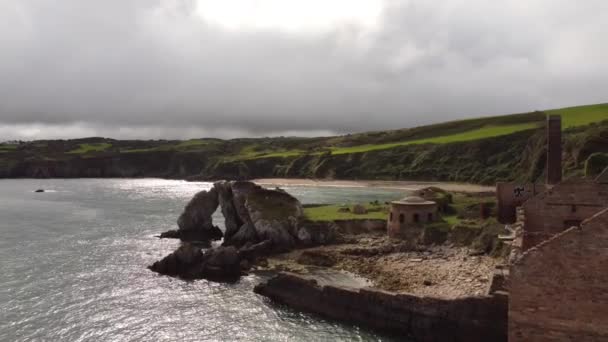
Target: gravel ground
column 439, row 271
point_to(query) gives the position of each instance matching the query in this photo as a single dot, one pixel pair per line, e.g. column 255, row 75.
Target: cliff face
column 156, row 164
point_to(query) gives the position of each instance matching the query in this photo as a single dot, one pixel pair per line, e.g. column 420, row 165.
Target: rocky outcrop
column 254, row 214
column 482, row 318
column 258, row 221
column 189, row 262
column 223, row 263
column 195, row 223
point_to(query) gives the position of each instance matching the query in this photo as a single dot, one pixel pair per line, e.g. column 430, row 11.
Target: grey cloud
column 134, row 68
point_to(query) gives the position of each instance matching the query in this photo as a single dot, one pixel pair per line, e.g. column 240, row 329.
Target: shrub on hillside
column 595, row 164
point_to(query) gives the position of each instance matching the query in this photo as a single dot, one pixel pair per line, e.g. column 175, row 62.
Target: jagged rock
column 189, row 262
column 231, row 217
column 253, row 251
column 259, row 222
column 262, row 214
column 183, row 262
column 275, row 215
column 195, row 223
column 316, row 233
column 213, row 233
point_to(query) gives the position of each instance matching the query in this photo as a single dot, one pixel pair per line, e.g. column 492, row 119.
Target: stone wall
column 559, row 289
column 565, row 205
column 418, row 318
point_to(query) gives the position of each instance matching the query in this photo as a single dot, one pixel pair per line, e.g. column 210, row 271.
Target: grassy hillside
column 481, row 150
column 582, row 115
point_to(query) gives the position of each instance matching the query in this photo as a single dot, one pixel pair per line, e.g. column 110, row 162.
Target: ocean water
column 73, row 268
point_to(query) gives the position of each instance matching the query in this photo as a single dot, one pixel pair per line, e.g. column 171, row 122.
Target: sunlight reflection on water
column 74, row 269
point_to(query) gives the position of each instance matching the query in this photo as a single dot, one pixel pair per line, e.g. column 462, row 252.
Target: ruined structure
column 558, row 289
column 554, row 149
column 509, row 196
column 557, row 281
column 566, row 205
column 472, row 319
column 410, row 212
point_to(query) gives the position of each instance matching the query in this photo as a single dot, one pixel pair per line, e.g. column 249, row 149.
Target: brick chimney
column 554, row 149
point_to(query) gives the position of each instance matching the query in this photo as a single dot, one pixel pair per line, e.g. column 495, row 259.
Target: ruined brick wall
column 559, row 289
column 509, row 196
column 414, row 318
column 565, row 205
column 554, row 149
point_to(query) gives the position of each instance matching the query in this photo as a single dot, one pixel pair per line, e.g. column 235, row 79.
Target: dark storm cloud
column 134, row 68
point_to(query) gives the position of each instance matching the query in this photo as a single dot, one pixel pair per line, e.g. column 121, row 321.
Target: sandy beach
column 400, row 185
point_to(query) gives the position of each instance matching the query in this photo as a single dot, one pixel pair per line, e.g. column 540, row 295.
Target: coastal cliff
column 479, row 151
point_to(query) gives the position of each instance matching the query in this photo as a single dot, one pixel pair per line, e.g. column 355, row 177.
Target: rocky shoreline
column 430, row 291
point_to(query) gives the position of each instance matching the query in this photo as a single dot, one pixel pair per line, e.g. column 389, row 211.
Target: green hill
column 481, row 150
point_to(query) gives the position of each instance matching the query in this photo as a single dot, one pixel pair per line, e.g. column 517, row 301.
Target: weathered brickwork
column 559, row 289
column 512, row 195
column 554, row 149
column 565, row 205
column 406, row 216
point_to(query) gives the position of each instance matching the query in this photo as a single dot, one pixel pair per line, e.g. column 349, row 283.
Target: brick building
column 408, row 213
column 559, row 288
column 565, row 205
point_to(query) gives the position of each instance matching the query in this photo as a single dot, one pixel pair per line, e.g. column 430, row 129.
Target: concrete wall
column 565, row 205
column 559, row 289
column 419, row 318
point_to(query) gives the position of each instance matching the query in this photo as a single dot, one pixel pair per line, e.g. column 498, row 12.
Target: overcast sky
column 228, row 68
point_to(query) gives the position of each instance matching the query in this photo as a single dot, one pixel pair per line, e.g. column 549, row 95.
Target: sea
column 73, row 268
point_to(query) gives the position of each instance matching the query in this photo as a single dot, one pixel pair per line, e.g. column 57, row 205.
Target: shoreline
column 391, row 185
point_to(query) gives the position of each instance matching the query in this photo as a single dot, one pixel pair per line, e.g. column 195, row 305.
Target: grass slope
column 477, row 134
column 332, row 213
column 89, row 148
column 581, row 115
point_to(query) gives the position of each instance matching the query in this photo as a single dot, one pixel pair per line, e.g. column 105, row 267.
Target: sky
column 182, row 69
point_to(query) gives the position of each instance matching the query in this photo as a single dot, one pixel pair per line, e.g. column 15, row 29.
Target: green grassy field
column 7, row 147
column 256, row 152
column 581, row 115
column 332, row 213
column 88, row 148
column 481, row 133
column 571, row 116
column 186, row 145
